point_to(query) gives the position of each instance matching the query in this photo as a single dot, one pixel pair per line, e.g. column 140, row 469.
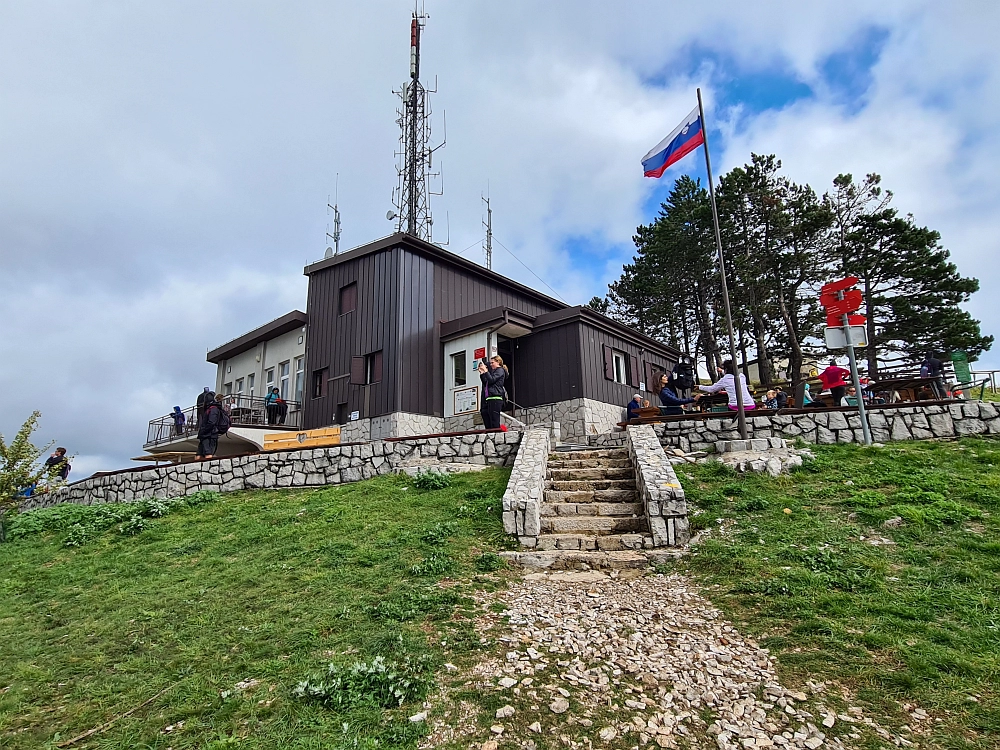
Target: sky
column 165, row 168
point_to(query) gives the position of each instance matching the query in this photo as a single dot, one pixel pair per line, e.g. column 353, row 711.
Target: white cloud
column 166, row 168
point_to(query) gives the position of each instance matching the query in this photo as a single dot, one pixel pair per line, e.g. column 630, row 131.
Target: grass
column 875, row 568
column 229, row 605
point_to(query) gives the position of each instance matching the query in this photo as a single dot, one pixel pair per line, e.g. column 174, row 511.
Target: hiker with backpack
column 215, row 424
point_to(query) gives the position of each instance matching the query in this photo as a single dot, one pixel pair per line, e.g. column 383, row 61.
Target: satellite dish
column 329, row 253
column 390, row 215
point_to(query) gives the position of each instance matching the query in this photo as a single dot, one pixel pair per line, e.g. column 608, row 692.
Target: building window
column 620, row 368
column 348, row 298
column 300, row 377
column 269, row 380
column 342, row 413
column 250, row 381
column 458, row 367
column 239, row 385
column 227, row 388
column 283, row 378
column 319, row 382
column 367, row 369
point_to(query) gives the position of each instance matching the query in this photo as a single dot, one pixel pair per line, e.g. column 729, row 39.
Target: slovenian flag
column 684, row 139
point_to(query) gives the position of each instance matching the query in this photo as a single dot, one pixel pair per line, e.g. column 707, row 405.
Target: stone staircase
column 591, row 516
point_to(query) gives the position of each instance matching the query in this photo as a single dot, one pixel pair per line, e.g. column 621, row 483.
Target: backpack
column 224, row 423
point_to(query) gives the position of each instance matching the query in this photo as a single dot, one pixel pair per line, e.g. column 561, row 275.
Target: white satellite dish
column 329, row 253
column 390, row 215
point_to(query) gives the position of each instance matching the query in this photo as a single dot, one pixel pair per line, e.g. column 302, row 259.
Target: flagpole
column 740, row 410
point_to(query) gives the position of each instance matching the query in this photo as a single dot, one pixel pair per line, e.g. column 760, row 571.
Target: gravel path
column 648, row 658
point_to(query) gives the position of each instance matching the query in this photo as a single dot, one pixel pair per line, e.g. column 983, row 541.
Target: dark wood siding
column 594, row 383
column 546, row 366
column 419, row 370
column 335, row 339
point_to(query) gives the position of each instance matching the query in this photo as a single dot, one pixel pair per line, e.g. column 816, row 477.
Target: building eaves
column 277, row 327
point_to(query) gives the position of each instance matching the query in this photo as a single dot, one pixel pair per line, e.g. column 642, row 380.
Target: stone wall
column 397, row 424
column 526, row 487
column 828, row 426
column 661, row 493
column 305, row 468
column 578, row 418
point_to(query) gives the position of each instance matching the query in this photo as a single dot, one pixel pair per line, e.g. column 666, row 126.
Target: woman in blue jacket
column 671, row 402
column 493, row 396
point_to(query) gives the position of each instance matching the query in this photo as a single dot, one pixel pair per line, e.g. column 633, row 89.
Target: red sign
column 479, row 353
column 840, row 299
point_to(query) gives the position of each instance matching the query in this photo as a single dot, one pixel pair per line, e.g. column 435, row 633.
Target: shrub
column 377, row 683
column 438, row 533
column 132, row 526
column 751, row 504
column 435, row 564
column 432, row 479
column 489, row 562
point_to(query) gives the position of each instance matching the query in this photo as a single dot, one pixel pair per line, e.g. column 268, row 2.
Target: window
column 348, row 298
column 319, row 382
column 239, row 385
column 458, row 367
column 367, row 369
column 269, row 380
column 620, row 368
column 342, row 413
column 300, row 377
column 283, row 377
column 250, row 381
column 227, row 388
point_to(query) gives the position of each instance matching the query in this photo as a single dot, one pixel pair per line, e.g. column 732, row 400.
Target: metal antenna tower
column 488, row 242
column 335, row 250
column 415, row 155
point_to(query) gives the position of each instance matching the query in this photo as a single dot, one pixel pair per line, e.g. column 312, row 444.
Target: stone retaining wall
column 305, row 468
column 661, row 493
column 828, row 426
column 526, row 488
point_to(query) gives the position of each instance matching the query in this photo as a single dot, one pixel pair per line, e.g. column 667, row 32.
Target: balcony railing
column 244, row 411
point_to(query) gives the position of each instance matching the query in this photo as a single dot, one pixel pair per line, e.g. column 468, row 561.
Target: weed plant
column 876, row 568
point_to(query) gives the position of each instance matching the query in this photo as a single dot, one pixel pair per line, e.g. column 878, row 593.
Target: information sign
column 466, row 400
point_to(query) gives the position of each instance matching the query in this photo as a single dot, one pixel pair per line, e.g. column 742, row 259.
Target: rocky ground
column 633, row 661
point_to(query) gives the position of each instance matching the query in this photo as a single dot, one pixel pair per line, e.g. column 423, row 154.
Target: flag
column 684, row 139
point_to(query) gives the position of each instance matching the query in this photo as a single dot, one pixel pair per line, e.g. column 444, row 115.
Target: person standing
column 57, row 465
column 271, row 405
column 202, row 404
column 493, row 395
column 834, row 378
column 179, row 420
column 727, row 383
column 932, row 367
column 208, row 431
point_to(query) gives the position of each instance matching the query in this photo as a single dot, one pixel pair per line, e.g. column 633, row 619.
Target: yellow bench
column 306, row 439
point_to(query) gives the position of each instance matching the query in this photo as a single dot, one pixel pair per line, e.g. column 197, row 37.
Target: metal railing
column 244, row 411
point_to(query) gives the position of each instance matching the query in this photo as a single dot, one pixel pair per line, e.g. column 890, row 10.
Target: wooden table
column 906, row 388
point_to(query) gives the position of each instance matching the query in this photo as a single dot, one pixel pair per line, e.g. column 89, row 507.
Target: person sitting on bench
column 671, row 402
column 633, row 407
column 728, row 384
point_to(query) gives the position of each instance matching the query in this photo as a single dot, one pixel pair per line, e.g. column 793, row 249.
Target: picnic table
column 904, row 388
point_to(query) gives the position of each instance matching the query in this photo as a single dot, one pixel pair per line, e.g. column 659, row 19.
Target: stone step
column 591, row 509
column 605, row 542
column 588, row 560
column 596, row 525
column 582, row 455
column 591, row 463
column 570, row 485
column 606, row 473
column 591, row 496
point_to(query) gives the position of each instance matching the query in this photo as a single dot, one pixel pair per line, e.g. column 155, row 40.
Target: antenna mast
column 488, row 243
column 336, row 222
column 414, row 158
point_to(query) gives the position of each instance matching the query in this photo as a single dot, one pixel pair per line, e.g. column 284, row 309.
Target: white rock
column 559, row 706
column 505, row 712
column 608, row 733
column 507, row 682
column 422, row 716
column 535, row 727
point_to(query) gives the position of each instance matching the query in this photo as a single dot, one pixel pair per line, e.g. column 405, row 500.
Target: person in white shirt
column 728, row 384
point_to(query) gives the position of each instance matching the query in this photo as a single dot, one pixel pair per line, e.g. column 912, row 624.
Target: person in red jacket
column 834, row 378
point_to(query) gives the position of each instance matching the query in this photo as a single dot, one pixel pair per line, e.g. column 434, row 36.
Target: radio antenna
column 335, row 250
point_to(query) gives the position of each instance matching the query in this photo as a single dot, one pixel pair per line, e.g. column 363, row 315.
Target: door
column 461, row 377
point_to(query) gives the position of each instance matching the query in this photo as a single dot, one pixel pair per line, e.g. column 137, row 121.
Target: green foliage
column 376, row 683
column 439, row 533
column 432, row 479
column 435, row 564
column 19, row 467
column 490, row 562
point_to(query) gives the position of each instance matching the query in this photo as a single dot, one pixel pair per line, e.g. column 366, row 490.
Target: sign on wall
column 466, row 400
column 479, row 353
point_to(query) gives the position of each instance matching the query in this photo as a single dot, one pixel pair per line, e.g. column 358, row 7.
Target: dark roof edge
column 592, row 317
column 419, row 245
column 277, row 327
column 451, row 329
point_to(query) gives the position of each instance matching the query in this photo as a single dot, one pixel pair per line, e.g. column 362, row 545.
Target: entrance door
column 505, row 348
column 461, row 379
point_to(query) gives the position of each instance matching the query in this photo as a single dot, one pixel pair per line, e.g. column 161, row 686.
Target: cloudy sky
column 165, row 168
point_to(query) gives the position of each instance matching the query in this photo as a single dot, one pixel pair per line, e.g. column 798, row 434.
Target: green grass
column 916, row 620
column 270, row 587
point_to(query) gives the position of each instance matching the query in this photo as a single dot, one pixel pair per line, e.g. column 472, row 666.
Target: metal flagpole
column 740, row 411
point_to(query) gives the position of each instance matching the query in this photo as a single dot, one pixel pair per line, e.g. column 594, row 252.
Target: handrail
column 244, row 411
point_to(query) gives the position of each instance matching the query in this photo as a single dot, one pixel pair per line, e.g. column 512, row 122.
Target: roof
column 401, row 239
column 277, row 327
column 585, row 314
